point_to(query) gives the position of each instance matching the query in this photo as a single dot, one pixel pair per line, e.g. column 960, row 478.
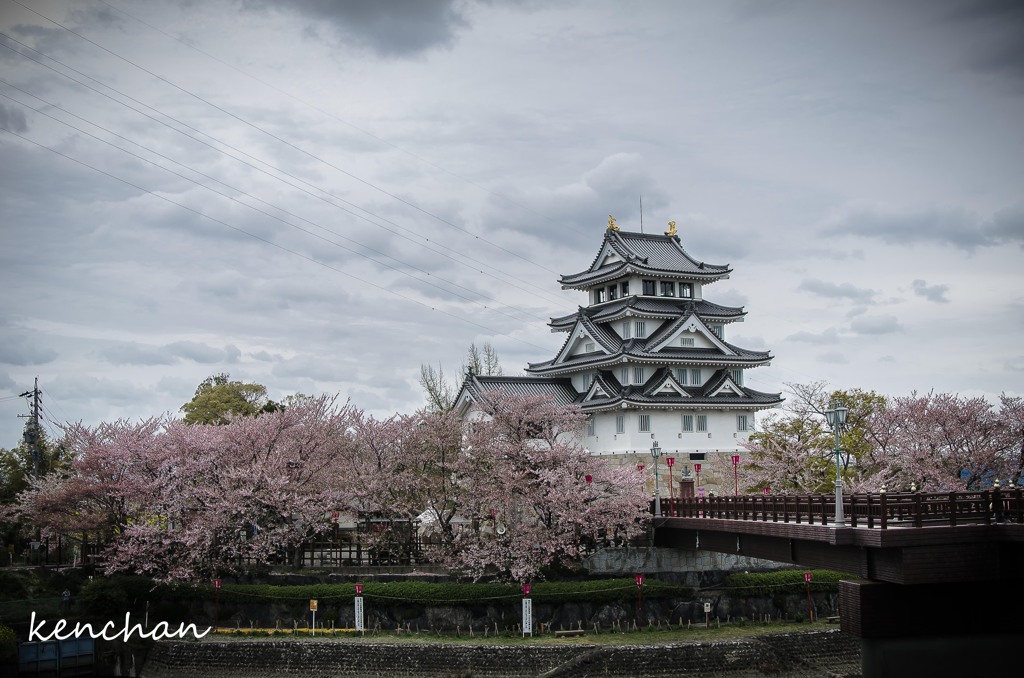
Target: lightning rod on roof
column 641, row 212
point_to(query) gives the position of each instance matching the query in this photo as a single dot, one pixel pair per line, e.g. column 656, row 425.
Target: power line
column 275, row 217
column 270, row 242
column 318, row 195
column 323, row 112
column 284, row 141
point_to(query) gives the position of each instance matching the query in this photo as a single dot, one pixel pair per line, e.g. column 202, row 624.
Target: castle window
column 624, row 376
column 695, row 376
column 649, row 288
column 737, row 376
column 681, row 375
column 640, row 326
column 702, row 423
column 686, row 290
column 599, row 295
column 624, row 287
column 741, row 422
column 625, row 330
column 638, row 375
column 645, row 423
column 668, row 289
column 687, row 422
column 686, row 341
column 612, row 290
column 717, row 329
column 590, row 426
column 620, row 423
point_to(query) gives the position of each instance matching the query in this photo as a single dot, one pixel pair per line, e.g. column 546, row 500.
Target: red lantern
column 639, row 580
column 589, row 478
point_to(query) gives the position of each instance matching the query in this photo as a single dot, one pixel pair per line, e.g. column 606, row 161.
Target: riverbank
column 775, row 654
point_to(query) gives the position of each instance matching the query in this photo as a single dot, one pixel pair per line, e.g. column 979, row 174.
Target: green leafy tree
column 218, row 398
column 795, row 451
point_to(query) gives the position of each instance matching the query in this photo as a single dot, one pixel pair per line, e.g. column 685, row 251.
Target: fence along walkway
column 880, row 510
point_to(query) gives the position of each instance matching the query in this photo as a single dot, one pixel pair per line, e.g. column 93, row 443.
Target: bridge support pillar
column 954, row 629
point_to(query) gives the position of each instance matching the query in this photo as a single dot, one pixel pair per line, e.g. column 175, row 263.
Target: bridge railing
column 878, row 510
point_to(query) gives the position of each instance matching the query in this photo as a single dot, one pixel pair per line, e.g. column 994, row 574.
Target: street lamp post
column 655, row 453
column 836, row 418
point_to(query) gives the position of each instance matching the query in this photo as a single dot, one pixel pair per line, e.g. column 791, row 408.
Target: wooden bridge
column 939, row 573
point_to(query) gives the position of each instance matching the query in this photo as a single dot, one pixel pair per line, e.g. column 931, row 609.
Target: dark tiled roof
column 560, row 390
column 695, row 396
column 656, row 306
column 653, row 254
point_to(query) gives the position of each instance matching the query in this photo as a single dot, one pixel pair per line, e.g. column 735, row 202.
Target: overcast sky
column 320, row 196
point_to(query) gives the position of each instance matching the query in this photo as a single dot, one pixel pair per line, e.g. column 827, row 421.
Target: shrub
column 783, row 582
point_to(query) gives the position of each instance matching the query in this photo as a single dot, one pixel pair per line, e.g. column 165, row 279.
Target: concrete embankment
column 797, row 655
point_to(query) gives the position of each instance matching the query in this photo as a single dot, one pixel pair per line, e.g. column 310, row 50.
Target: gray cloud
column 955, row 227
column 17, row 348
column 936, row 293
column 834, row 291
column 828, row 336
column 877, row 324
column 833, row 358
column 390, row 28
column 13, row 119
column 169, row 354
column 997, row 26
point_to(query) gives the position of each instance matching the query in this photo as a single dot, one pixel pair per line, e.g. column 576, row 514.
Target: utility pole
column 32, row 434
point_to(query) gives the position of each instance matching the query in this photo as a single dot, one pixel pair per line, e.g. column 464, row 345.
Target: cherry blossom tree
column 522, row 482
column 942, row 441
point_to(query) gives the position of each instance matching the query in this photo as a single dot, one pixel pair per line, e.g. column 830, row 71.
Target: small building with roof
column 647, row 358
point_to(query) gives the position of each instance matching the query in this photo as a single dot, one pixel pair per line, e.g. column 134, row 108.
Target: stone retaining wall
column 800, row 655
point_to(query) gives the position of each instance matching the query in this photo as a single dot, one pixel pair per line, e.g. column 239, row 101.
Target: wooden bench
column 571, row 633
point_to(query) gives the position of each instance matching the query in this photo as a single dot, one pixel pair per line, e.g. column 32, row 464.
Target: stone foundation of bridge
column 955, row 629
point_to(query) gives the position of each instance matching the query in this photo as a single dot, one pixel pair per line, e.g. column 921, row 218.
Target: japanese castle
column 648, row 357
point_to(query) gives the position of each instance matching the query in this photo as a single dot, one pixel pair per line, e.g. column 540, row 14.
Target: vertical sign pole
column 359, row 608
column 527, row 611
column 312, row 607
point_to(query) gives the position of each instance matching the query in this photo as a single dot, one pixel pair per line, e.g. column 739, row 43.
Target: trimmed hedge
column 766, row 584
column 428, row 593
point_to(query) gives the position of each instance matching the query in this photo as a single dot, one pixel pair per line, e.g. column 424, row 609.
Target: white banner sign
column 527, row 617
column 359, row 614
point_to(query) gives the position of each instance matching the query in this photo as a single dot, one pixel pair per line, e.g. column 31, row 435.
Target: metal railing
column 881, row 510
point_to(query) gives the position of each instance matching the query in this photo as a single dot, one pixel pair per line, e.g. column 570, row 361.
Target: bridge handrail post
column 775, row 508
column 1018, row 509
column 917, row 509
column 883, row 511
column 796, row 498
column 871, row 513
column 952, row 508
